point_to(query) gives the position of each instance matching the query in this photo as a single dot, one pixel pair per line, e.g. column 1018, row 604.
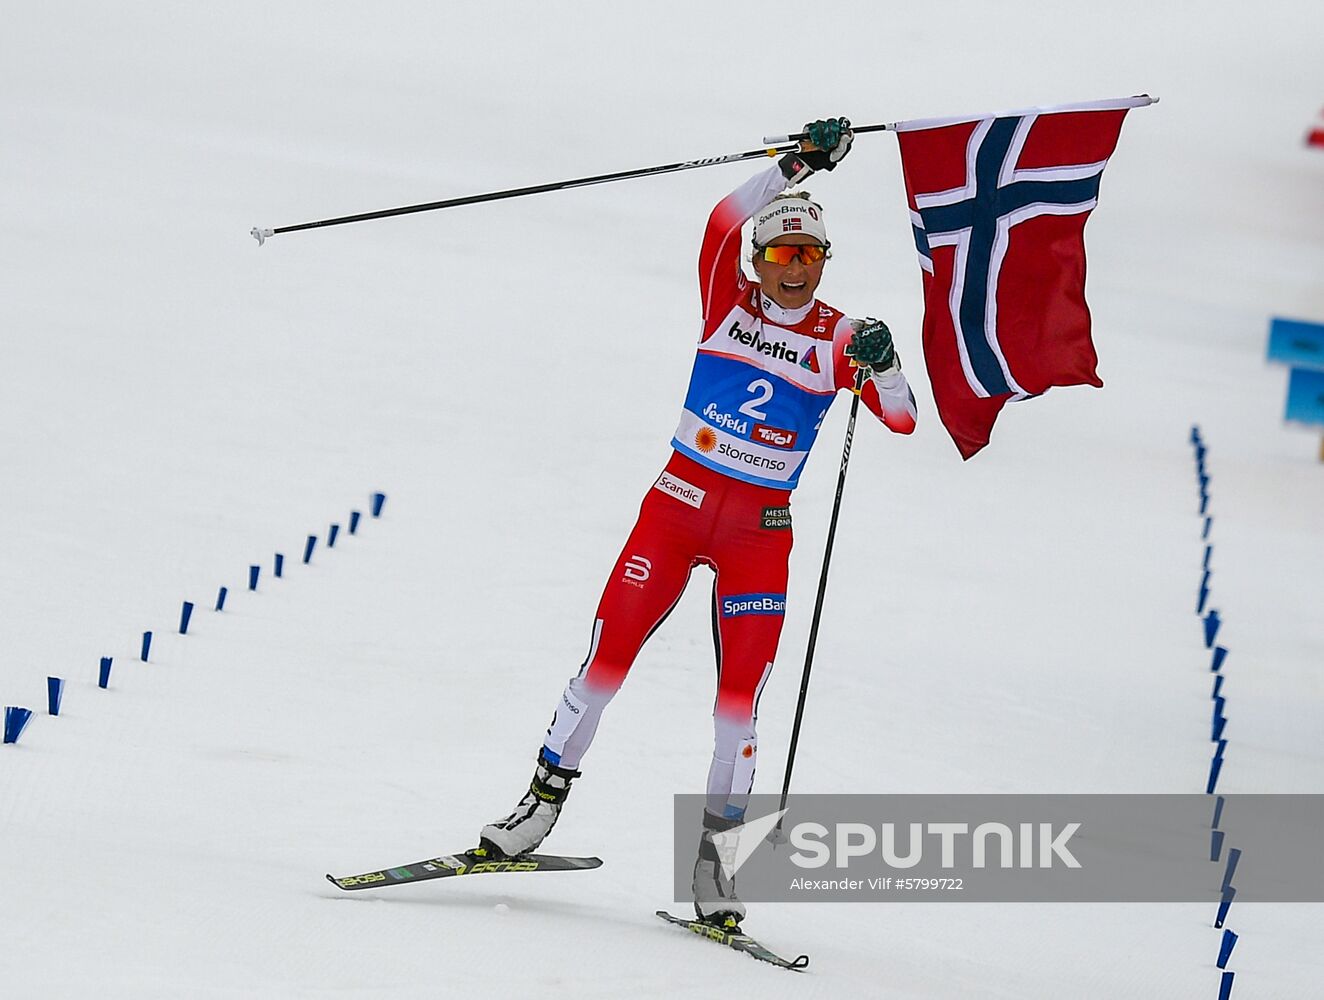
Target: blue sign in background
column 1296, row 342
column 1305, row 396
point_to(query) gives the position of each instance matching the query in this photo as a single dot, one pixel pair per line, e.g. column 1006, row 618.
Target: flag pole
column 822, row 592
column 1138, row 101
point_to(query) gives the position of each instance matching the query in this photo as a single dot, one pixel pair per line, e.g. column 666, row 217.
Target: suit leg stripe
column 758, row 691
column 592, row 646
column 717, row 635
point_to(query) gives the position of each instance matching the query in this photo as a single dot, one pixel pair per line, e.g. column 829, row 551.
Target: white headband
column 787, row 217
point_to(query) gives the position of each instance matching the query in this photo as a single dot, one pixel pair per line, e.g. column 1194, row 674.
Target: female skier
column 771, row 358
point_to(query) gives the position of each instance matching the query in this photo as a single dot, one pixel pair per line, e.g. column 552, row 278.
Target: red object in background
column 1315, row 137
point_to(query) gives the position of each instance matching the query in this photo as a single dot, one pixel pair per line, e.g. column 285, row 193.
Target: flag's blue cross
column 979, row 216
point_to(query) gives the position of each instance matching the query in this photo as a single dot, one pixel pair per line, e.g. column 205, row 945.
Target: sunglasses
column 809, row 253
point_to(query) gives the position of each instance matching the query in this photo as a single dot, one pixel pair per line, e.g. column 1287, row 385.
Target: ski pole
column 773, row 140
column 262, row 234
column 822, row 591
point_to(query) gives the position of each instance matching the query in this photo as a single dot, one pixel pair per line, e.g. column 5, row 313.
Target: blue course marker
column 331, row 536
column 147, row 645
column 1218, row 686
column 1225, row 949
column 1208, row 551
column 16, row 720
column 184, row 615
column 1233, row 856
column 1220, row 654
column 354, row 516
column 1225, row 987
column 1215, row 766
column 1204, row 593
column 1215, row 844
column 1220, row 721
column 1208, row 522
column 220, row 598
column 54, row 694
column 308, row 548
column 377, row 500
column 1229, row 894
column 253, row 573
column 1195, row 433
column 1211, row 623
column 280, row 565
column 103, row 678
column 1218, row 811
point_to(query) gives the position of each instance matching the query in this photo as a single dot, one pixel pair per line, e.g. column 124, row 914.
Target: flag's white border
column 1115, row 104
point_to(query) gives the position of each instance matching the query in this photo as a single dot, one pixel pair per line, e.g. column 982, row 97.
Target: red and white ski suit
column 763, row 380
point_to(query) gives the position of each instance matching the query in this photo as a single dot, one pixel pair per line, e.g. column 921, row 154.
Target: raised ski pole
column 801, row 136
column 260, row 234
column 822, row 591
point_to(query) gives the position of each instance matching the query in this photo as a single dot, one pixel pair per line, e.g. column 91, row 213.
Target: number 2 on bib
column 762, row 389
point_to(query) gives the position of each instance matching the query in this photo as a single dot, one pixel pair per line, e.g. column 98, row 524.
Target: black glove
column 871, row 347
column 828, row 143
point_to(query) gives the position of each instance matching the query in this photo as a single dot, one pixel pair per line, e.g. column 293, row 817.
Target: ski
column 734, row 937
column 473, row 862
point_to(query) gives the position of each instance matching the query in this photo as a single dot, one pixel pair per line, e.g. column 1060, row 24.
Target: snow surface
column 179, row 404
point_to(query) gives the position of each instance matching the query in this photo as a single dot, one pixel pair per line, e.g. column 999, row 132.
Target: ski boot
column 533, row 819
column 715, row 900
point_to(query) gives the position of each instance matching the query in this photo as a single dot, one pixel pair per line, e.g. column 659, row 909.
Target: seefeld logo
column 725, row 421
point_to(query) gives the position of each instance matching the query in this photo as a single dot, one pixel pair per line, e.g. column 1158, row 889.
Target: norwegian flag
column 998, row 206
column 790, row 225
